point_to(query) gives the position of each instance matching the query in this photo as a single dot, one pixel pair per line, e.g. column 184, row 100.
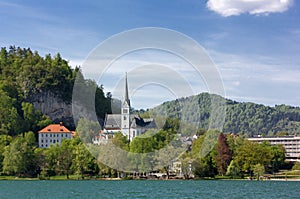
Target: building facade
column 290, row 143
column 53, row 134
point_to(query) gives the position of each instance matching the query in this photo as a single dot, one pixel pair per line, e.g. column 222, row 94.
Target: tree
column 19, row 158
column 204, row 167
column 120, row 141
column 83, row 162
column 258, row 170
column 250, row 154
column 65, row 157
column 163, row 158
column 59, row 158
column 232, row 169
column 87, row 130
column 296, row 166
column 5, row 140
column 224, row 154
column 278, row 160
column 9, row 117
column 30, row 139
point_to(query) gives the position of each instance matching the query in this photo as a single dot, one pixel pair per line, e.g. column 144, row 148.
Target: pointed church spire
column 126, row 97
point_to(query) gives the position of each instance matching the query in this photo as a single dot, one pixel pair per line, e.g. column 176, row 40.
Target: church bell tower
column 125, row 112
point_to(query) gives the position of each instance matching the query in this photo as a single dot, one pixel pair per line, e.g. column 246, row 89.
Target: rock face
column 54, row 107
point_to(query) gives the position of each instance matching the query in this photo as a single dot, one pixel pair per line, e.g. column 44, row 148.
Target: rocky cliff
column 54, row 107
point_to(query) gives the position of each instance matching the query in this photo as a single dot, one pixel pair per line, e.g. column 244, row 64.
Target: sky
column 254, row 44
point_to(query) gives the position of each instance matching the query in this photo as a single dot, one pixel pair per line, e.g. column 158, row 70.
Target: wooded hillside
column 244, row 118
column 35, row 91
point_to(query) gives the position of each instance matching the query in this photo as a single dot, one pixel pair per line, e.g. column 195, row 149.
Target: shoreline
column 12, row 178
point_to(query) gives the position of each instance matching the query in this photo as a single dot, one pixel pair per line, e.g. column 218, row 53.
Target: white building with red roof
column 53, row 134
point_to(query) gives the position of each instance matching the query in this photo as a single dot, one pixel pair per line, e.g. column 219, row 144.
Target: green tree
column 19, row 158
column 9, row 117
column 83, row 161
column 232, row 169
column 5, row 140
column 164, row 157
column 60, row 157
column 250, row 154
column 87, row 130
column 258, row 170
column 65, row 157
column 204, row 167
column 296, row 166
column 121, row 141
column 278, row 160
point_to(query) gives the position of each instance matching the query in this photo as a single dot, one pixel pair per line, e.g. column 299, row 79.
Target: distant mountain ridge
column 241, row 117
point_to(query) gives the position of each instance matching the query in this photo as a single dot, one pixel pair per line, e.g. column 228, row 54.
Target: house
column 129, row 125
column 53, row 134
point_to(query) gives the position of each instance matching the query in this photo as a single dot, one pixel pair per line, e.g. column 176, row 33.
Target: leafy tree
column 59, row 158
column 224, row 155
column 87, row 130
column 163, row 158
column 258, row 170
column 296, row 166
column 204, row 167
column 250, row 154
column 233, row 169
column 121, row 141
column 5, row 140
column 65, row 157
column 278, row 160
column 19, row 158
column 83, row 162
column 9, row 116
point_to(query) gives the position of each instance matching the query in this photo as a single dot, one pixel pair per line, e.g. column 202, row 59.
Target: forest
column 24, row 74
column 244, row 118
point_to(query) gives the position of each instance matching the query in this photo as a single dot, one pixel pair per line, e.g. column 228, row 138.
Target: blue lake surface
column 149, row 189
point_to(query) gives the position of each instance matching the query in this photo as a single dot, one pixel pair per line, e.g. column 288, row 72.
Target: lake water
column 149, row 189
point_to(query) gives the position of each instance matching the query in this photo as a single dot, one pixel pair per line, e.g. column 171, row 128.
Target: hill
column 35, row 91
column 241, row 117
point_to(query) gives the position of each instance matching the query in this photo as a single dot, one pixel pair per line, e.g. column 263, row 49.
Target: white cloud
column 256, row 7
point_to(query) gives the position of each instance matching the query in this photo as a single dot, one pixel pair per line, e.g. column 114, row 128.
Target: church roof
column 113, row 121
column 140, row 122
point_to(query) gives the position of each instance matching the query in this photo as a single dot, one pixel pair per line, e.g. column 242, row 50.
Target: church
column 129, row 125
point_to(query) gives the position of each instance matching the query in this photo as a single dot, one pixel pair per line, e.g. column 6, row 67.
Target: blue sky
column 254, row 43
